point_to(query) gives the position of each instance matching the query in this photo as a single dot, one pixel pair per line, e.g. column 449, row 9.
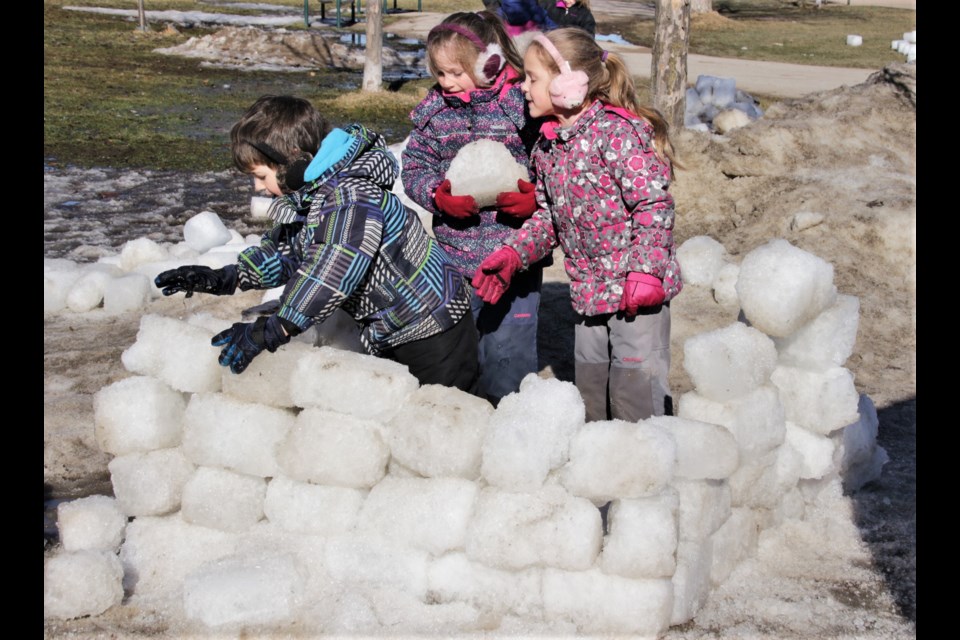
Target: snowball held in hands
column 484, row 169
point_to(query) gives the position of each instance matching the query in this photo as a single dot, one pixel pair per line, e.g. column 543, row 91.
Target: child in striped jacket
column 340, row 240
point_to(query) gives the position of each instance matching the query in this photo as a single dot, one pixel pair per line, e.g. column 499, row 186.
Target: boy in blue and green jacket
column 340, row 239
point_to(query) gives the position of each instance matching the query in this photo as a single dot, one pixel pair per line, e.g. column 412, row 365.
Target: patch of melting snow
column 615, row 38
column 254, row 6
column 191, row 18
column 279, row 50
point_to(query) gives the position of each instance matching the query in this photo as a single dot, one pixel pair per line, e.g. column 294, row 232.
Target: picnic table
column 338, row 21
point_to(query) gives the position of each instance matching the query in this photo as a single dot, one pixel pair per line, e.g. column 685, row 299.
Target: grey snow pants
column 622, row 364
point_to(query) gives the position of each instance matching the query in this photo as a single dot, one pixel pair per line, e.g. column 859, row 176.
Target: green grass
column 110, row 100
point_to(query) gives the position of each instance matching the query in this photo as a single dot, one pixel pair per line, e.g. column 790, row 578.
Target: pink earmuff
column 490, row 60
column 569, row 89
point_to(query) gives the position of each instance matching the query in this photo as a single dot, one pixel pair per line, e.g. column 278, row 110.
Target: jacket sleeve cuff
column 292, row 320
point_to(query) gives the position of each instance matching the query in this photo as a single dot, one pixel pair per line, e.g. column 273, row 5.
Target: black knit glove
column 193, row 278
column 245, row 340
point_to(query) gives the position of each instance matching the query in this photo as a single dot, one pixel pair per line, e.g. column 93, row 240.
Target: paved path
column 773, row 79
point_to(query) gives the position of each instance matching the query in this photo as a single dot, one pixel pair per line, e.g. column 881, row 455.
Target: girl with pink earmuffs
column 602, row 168
column 478, row 96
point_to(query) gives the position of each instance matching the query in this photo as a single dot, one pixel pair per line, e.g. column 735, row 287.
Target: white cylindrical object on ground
column 854, row 40
column 259, row 205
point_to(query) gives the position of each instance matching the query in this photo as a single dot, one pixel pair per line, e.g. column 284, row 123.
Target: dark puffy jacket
column 519, row 13
column 574, row 16
column 344, row 240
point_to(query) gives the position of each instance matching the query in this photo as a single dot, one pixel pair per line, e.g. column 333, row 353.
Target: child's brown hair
column 275, row 130
column 487, row 27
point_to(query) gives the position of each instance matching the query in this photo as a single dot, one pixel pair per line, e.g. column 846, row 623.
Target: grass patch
column 110, row 100
column 387, row 112
column 771, row 30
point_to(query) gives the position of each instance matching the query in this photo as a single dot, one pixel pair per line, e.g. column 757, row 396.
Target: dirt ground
column 847, row 154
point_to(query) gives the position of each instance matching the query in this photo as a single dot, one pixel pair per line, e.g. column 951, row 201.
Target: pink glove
column 520, row 204
column 455, row 206
column 495, row 272
column 641, row 290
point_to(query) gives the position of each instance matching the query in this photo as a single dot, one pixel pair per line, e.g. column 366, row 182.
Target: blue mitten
column 245, row 340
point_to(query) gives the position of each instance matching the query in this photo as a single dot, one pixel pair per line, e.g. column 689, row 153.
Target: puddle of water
column 354, row 38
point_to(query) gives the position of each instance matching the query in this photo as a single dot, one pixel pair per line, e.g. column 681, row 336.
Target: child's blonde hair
column 609, row 79
column 484, row 25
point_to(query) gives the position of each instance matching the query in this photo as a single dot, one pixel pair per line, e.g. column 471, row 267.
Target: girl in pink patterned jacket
column 603, row 167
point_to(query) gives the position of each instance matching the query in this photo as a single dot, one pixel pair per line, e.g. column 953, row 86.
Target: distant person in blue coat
column 520, row 16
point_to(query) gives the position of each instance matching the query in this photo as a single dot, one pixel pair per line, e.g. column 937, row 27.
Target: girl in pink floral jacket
column 603, row 167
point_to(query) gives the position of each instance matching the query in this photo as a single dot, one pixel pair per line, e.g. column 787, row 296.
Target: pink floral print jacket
column 603, row 198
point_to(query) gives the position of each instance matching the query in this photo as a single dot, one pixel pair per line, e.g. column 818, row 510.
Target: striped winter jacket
column 603, row 198
column 344, row 240
column 442, row 125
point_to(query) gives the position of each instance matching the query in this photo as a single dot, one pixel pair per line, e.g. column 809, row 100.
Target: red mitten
column 520, row 204
column 455, row 206
column 495, row 272
column 641, row 290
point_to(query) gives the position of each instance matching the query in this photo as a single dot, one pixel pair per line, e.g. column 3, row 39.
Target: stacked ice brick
column 776, row 381
column 907, row 45
column 323, row 491
column 124, row 282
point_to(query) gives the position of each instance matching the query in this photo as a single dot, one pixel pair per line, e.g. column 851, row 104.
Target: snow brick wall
column 324, row 492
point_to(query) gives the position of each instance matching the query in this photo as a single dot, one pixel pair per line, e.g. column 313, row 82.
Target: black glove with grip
column 243, row 341
column 195, row 277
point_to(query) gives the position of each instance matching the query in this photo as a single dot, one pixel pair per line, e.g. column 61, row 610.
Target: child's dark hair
column 274, row 130
column 486, row 26
column 610, row 80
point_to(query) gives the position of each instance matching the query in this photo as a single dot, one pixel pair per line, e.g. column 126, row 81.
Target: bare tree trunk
column 669, row 66
column 373, row 62
column 701, row 6
column 142, row 14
